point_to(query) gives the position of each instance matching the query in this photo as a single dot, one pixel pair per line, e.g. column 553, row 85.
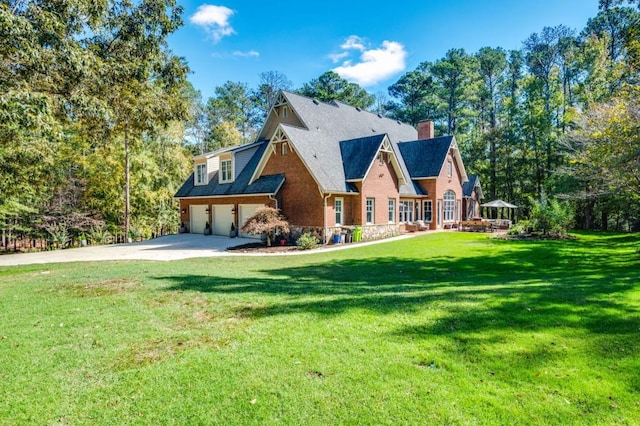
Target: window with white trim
column 370, row 207
column 449, row 169
column 427, row 211
column 449, row 205
column 226, row 171
column 338, row 205
column 285, row 148
column 392, row 210
column 406, row 211
column 201, row 174
column 285, row 112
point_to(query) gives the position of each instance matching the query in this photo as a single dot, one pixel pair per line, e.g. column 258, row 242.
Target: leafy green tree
column 80, row 77
column 454, row 78
column 550, row 215
column 616, row 23
column 234, row 104
column 331, row 87
column 416, row 98
column 196, row 124
column 492, row 65
column 140, row 80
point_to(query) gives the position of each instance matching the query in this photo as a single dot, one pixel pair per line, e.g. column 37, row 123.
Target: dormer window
column 226, row 171
column 201, row 174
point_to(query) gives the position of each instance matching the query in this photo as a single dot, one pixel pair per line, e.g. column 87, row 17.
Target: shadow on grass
column 518, row 285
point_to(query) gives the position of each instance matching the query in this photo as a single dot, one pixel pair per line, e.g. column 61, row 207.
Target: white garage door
column 245, row 211
column 222, row 219
column 198, row 219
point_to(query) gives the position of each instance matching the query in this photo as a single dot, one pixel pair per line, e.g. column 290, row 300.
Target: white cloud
column 375, row 65
column 250, row 53
column 336, row 57
column 214, row 19
column 354, row 42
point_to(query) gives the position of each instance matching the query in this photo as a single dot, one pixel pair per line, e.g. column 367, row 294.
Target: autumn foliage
column 267, row 220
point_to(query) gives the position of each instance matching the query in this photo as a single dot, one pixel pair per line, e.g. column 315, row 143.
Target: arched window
column 449, row 205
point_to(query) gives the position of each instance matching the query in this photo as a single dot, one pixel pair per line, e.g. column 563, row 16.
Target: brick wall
column 381, row 184
column 301, row 201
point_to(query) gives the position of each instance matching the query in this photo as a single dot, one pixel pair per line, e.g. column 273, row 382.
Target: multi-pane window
column 392, row 210
column 449, row 205
column 337, row 204
column 201, row 174
column 370, row 206
column 406, row 211
column 427, row 212
column 225, row 171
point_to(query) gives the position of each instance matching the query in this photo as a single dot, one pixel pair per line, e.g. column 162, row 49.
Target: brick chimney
column 425, row 129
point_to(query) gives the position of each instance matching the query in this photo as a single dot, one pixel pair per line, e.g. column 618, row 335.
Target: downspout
column 274, row 199
column 324, row 216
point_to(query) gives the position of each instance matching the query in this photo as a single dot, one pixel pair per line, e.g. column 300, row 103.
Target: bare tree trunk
column 127, row 182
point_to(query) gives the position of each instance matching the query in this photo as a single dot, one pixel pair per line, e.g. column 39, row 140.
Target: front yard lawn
column 446, row 328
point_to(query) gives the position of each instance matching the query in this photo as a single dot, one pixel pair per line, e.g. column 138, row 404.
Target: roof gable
column 358, row 154
column 468, row 187
column 317, row 143
column 424, row 158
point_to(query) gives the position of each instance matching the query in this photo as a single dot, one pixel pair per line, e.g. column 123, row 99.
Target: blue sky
column 370, row 43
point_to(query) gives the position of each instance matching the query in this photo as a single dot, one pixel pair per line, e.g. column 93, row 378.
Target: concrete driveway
column 169, row 247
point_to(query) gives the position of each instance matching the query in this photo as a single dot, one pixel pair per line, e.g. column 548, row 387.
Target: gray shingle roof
column 327, row 124
column 467, row 187
column 424, row 158
column 358, row 154
column 264, row 185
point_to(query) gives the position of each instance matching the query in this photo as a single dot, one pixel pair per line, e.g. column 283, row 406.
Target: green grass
column 447, row 328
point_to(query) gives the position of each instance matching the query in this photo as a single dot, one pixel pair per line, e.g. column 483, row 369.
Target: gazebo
column 499, row 204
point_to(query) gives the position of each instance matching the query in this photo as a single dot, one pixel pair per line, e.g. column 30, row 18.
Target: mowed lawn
column 446, row 328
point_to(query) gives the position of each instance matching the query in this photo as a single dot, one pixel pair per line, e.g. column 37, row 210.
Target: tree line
column 98, row 121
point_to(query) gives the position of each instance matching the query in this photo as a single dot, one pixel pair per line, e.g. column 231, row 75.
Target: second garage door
column 245, row 211
column 222, row 219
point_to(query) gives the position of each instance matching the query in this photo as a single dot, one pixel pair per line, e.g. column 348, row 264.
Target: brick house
column 329, row 166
